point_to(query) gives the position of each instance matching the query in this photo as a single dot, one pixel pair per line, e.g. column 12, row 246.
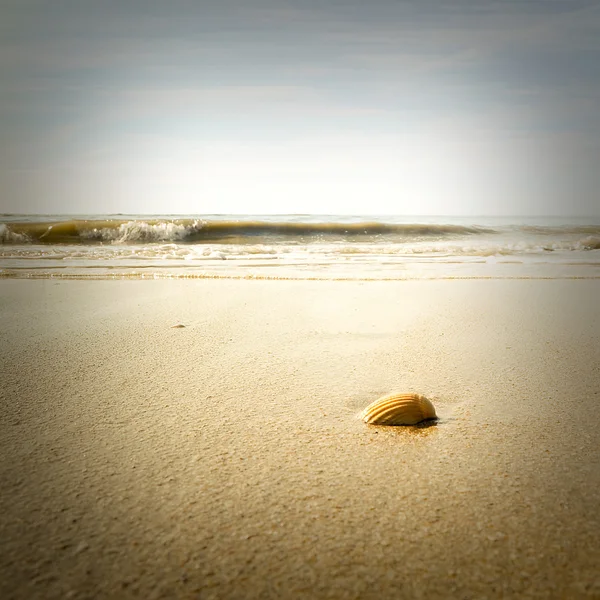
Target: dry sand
column 225, row 459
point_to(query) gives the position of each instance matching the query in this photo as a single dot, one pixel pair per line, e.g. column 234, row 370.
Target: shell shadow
column 424, row 428
column 421, row 430
column 427, row 424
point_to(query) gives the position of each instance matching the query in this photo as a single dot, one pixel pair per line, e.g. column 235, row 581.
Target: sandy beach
column 226, row 459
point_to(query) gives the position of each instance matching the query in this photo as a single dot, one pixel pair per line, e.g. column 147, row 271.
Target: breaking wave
column 189, row 231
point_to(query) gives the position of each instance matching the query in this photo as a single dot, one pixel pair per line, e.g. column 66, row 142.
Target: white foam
column 7, row 236
column 142, row 232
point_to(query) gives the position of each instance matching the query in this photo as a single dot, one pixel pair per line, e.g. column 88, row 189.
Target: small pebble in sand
column 178, row 326
column 399, row 409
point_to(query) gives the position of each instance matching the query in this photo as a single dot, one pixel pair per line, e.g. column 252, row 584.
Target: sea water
column 297, row 247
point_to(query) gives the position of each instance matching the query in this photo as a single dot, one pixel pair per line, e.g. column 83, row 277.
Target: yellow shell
column 399, row 409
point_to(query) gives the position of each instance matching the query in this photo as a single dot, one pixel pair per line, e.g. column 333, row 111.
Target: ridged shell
column 399, row 409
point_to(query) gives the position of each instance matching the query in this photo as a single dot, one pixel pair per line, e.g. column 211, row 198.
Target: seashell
column 399, row 409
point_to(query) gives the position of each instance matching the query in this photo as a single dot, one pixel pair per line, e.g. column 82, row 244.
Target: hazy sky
column 330, row 106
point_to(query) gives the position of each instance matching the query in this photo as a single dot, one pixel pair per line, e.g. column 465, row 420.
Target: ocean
column 335, row 247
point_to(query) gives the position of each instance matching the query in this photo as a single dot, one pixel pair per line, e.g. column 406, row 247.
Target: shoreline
column 128, row 274
column 226, row 458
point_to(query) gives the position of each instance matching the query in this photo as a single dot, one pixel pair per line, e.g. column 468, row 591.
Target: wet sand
column 225, row 459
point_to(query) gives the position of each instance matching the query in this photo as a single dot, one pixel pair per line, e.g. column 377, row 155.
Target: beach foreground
column 225, row 459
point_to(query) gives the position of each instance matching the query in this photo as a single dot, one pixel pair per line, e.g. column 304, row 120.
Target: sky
column 425, row 107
